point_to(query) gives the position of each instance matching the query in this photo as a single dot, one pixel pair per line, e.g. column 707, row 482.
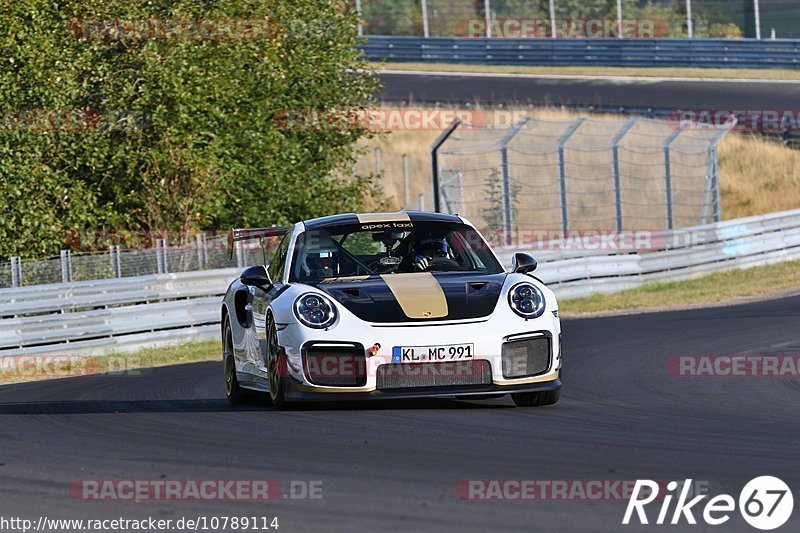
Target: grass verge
column 43, row 366
column 653, row 72
column 711, row 289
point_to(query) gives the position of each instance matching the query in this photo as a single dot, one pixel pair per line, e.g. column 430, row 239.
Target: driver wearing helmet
column 430, row 252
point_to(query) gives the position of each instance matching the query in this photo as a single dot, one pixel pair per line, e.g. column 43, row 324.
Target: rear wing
column 247, row 234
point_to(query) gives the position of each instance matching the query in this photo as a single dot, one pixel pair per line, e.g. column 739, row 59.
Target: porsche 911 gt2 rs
column 388, row 305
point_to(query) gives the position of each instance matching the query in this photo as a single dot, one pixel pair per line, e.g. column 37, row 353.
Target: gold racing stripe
column 369, row 218
column 419, row 294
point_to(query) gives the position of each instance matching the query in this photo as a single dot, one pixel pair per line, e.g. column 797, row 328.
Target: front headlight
column 526, row 300
column 315, row 310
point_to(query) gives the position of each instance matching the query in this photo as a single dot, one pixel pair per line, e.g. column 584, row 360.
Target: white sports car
column 388, row 305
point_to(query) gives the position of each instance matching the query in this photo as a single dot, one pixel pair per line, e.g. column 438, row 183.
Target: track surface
column 658, row 94
column 394, row 465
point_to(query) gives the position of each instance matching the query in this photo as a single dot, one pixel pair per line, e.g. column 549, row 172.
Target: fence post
column 66, row 266
column 378, row 165
column 161, row 256
column 713, row 168
column 425, row 29
column 360, row 23
column 689, row 23
column 406, row 199
column 421, row 202
column 668, row 175
column 487, row 11
column 440, row 140
column 16, row 271
column 508, row 208
column 202, row 253
column 239, row 255
column 562, row 172
column 615, row 161
column 116, row 261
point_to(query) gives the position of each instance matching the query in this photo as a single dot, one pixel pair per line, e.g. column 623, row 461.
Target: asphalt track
column 732, row 95
column 394, row 465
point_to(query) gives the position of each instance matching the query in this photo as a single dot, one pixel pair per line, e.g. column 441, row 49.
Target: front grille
column 335, row 365
column 427, row 375
column 527, row 357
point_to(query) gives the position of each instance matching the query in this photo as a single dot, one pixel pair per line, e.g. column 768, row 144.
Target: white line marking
column 628, row 79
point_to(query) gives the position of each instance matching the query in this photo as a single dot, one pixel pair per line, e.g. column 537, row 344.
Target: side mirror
column 523, row 263
column 256, row 276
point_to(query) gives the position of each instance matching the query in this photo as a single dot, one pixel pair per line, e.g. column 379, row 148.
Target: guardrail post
column 562, row 171
column 668, row 175
column 16, row 271
column 615, row 162
column 508, row 208
column 440, row 140
column 202, row 251
column 66, row 266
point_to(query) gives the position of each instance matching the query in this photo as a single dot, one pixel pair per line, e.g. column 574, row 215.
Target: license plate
column 427, row 354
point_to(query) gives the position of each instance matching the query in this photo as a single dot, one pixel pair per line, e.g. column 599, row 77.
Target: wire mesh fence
column 207, row 252
column 620, row 175
column 577, row 19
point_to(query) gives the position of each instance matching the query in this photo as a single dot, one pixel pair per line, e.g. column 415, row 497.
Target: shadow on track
column 221, row 405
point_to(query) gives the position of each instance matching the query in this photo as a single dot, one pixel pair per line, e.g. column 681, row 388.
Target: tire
column 235, row 394
column 276, row 367
column 536, row 399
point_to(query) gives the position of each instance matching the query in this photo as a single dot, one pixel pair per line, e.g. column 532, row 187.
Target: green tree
column 182, row 133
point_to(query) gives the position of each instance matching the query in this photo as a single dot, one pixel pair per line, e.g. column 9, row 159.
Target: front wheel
column 535, row 399
column 235, row 394
column 276, row 367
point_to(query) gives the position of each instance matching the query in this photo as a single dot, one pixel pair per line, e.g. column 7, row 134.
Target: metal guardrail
column 112, row 315
column 723, row 53
column 680, row 254
column 124, row 314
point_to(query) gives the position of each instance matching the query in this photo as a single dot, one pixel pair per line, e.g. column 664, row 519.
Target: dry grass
column 757, row 175
column 664, row 72
column 39, row 367
column 713, row 288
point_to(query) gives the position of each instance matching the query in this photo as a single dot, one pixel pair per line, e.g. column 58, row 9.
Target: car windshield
column 365, row 250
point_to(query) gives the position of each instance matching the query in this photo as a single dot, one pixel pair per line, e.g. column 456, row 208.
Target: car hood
column 417, row 297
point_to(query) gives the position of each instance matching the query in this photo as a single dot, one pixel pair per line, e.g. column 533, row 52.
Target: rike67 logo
column 765, row 503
